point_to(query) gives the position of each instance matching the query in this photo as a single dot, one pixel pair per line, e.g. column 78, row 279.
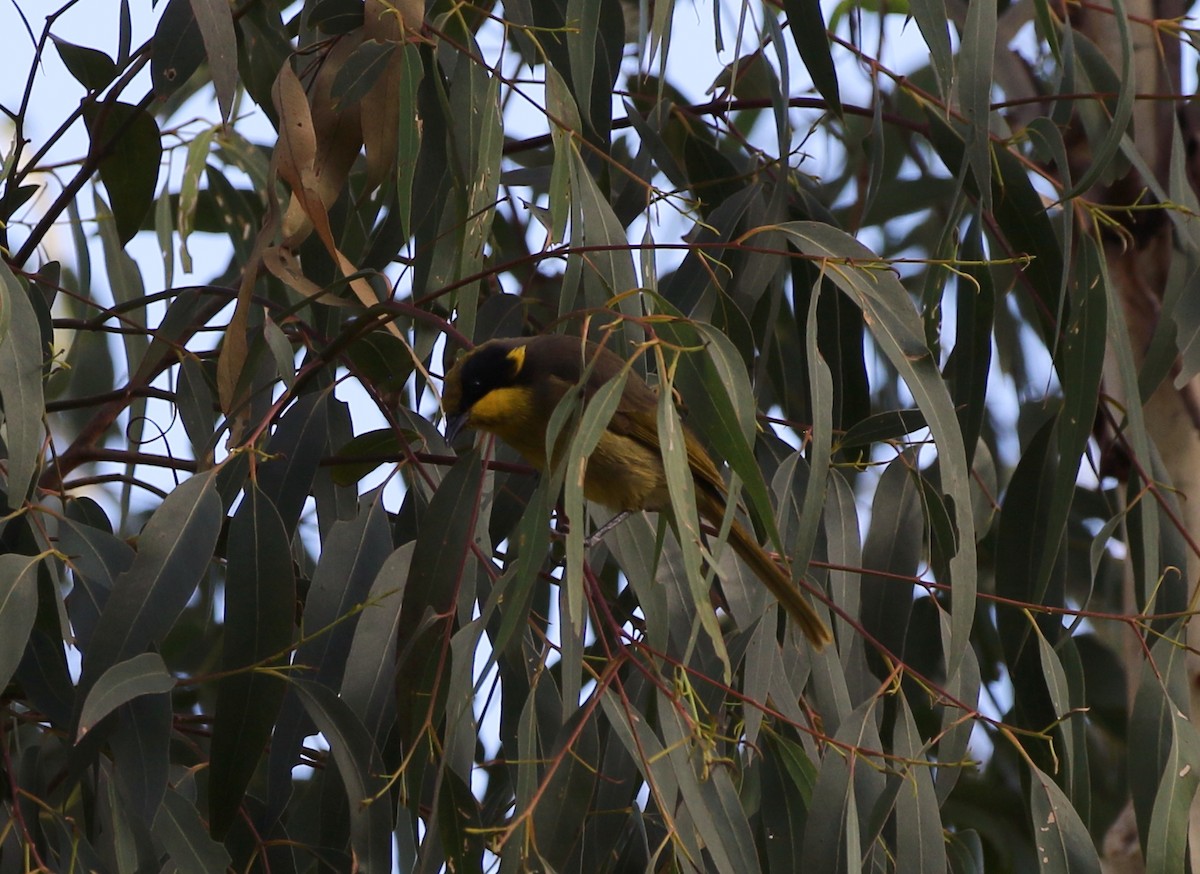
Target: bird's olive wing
column 640, row 423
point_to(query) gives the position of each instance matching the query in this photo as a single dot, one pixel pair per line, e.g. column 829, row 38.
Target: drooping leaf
column 18, row 608
column 361, row 772
column 177, row 50
column 1062, row 840
column 260, row 594
column 174, row 550
column 214, row 18
column 127, row 140
column 21, row 356
column 807, row 24
column 182, row 833
column 141, row 747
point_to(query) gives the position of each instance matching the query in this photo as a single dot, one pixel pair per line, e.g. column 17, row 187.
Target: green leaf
column 368, row 685
column 1021, row 216
column 807, row 25
column 1062, row 840
column 933, row 20
column 893, row 547
column 352, row 555
column 141, row 748
column 334, row 16
column 360, row 769
column 1080, row 371
column 1162, row 693
column 592, row 426
column 260, row 595
column 127, row 140
column 565, row 804
column 174, row 551
column 92, row 69
column 608, row 271
column 296, row 448
column 408, row 145
column 97, row 558
column 360, row 72
column 183, row 836
column 964, row 852
column 18, row 609
column 215, row 20
column 21, row 357
column 1167, row 847
column 788, row 780
column 706, row 796
column 177, row 49
column 1025, row 543
column 975, row 87
column 195, row 403
column 1103, row 152
column 718, row 394
column 437, row 572
column 847, row 789
column 893, row 322
column 968, row 366
column 281, row 351
column 920, row 846
column 882, row 428
column 143, row 674
column 460, row 825
column 378, row 447
column 189, row 190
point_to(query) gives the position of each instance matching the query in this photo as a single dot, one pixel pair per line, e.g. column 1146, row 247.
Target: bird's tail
column 780, row 585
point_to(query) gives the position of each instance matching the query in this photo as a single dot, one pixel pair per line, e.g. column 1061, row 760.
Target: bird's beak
column 454, row 424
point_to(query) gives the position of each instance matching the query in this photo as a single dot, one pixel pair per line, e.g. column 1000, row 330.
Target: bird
column 510, row 387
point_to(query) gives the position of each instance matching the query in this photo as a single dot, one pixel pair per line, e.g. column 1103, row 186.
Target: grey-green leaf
column 144, row 674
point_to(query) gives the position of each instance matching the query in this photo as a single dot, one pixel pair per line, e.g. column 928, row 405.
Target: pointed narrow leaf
column 807, row 24
column 93, row 69
column 18, row 609
column 1062, row 840
column 920, row 845
column 21, row 357
column 361, row 71
column 975, row 85
column 177, row 50
column 360, row 768
column 183, row 835
column 174, row 551
column 260, row 595
column 1167, row 848
column 215, row 20
column 141, row 748
column 893, row 322
column 143, row 674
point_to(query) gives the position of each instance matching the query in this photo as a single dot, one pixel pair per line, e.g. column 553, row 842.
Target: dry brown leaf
column 381, row 105
column 409, row 15
column 338, row 129
column 285, row 266
column 234, row 346
column 336, row 140
column 296, row 156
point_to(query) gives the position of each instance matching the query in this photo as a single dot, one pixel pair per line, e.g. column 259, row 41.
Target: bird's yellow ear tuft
column 517, row 357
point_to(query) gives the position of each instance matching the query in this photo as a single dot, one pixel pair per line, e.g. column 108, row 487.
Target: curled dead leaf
column 384, row 22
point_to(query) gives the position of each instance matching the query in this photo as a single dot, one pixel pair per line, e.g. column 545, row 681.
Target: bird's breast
column 623, row 474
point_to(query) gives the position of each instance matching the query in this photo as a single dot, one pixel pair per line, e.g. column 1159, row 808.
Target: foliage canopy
column 257, row 614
